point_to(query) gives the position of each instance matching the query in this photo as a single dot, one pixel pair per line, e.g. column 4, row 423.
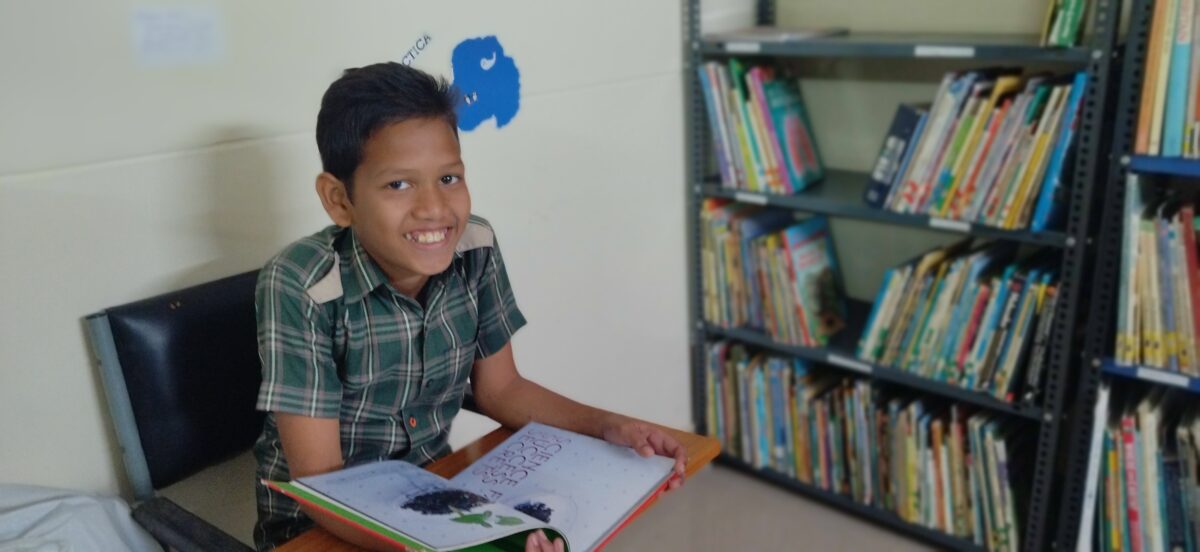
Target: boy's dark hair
column 368, row 98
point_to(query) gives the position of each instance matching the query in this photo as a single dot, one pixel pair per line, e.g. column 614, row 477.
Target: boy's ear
column 335, row 199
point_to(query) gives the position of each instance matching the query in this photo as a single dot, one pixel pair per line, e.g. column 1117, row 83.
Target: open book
column 570, row 485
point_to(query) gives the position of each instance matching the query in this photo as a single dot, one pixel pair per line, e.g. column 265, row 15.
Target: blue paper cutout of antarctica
column 488, row 81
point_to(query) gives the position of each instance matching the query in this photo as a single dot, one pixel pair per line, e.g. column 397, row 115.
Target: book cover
column 1192, row 268
column 1174, row 116
column 1031, row 171
column 1041, row 344
column 910, row 150
column 1166, row 49
column 818, row 283
column 794, row 133
column 965, row 123
column 891, row 153
column 968, row 184
column 870, row 329
column 1150, row 89
column 941, row 117
column 978, row 141
column 755, row 105
column 756, row 78
column 754, row 179
column 1003, row 150
column 1053, row 198
column 531, row 481
column 716, row 127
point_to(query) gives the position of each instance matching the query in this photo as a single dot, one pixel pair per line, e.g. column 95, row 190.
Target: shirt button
column 412, row 422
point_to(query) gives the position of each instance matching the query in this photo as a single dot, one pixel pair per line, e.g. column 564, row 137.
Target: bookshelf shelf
column 1173, row 166
column 840, row 194
column 878, row 515
column 842, row 357
column 1025, row 48
column 1151, row 375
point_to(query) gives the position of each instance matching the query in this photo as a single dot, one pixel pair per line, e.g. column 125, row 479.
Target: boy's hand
column 538, row 542
column 647, row 440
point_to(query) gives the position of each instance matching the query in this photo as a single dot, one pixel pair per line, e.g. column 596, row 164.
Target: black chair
column 181, row 374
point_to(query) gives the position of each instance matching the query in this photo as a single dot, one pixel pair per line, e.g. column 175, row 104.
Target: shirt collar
column 361, row 275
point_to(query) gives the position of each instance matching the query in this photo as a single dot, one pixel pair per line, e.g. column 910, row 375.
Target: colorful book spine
column 1175, row 111
column 1052, row 201
column 892, row 154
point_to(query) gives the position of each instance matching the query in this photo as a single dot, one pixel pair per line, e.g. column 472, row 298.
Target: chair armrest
column 179, row 529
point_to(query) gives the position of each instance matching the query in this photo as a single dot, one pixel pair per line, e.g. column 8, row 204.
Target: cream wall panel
column 75, row 91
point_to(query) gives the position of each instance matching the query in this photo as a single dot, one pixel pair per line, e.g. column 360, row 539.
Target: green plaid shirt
column 336, row 340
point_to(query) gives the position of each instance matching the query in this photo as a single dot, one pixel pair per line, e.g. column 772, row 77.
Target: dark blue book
column 892, row 154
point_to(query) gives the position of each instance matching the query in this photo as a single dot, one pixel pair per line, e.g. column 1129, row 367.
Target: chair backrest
column 181, row 375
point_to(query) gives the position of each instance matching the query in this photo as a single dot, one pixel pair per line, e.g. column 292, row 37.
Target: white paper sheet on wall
column 170, row 36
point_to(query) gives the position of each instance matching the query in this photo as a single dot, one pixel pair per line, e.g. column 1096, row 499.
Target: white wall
column 119, row 181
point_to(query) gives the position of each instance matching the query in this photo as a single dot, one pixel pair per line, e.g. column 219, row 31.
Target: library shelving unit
column 840, row 195
column 1099, row 342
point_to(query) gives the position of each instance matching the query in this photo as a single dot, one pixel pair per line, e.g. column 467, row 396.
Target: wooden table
column 700, row 451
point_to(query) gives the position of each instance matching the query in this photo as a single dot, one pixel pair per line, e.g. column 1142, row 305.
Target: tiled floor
column 719, row 509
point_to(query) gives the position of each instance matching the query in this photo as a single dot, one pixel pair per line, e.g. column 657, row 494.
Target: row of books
column 1158, row 299
column 1169, row 114
column 992, row 149
column 763, row 269
column 1064, row 20
column 762, row 137
column 1146, row 496
column 947, row 468
column 969, row 316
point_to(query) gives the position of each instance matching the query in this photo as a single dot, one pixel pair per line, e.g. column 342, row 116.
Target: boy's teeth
column 427, row 237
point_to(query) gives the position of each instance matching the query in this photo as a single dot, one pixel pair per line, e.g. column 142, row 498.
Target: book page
column 419, row 504
column 583, row 487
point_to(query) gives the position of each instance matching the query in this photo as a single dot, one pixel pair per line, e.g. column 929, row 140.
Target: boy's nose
column 430, row 202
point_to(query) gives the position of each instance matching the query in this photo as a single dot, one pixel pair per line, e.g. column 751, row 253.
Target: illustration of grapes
column 444, row 501
column 535, row 510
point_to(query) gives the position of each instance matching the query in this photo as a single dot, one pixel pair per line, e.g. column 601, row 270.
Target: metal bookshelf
column 839, row 354
column 1167, row 166
column 1151, row 375
column 1099, row 340
column 839, row 195
column 905, row 45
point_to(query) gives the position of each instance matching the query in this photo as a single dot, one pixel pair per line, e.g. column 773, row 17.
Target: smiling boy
column 370, row 330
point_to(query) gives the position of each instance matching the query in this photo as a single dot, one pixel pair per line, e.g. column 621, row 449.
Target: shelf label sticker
column 747, row 197
column 1160, row 376
column 848, row 363
column 930, row 50
column 947, row 224
column 743, row 47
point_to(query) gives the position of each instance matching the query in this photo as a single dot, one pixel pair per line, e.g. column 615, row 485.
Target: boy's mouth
column 428, row 237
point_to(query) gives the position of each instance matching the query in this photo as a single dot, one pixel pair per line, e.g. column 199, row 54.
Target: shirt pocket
column 448, row 369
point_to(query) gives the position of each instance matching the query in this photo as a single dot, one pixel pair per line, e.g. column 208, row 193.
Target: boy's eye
column 449, row 179
column 399, row 185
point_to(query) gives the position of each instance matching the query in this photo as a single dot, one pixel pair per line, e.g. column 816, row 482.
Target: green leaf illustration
column 508, row 520
column 473, row 519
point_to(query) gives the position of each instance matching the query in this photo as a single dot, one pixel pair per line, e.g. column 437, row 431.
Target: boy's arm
column 313, row 446
column 505, row 396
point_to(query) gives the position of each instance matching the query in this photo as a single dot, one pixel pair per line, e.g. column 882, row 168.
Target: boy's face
column 410, row 203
